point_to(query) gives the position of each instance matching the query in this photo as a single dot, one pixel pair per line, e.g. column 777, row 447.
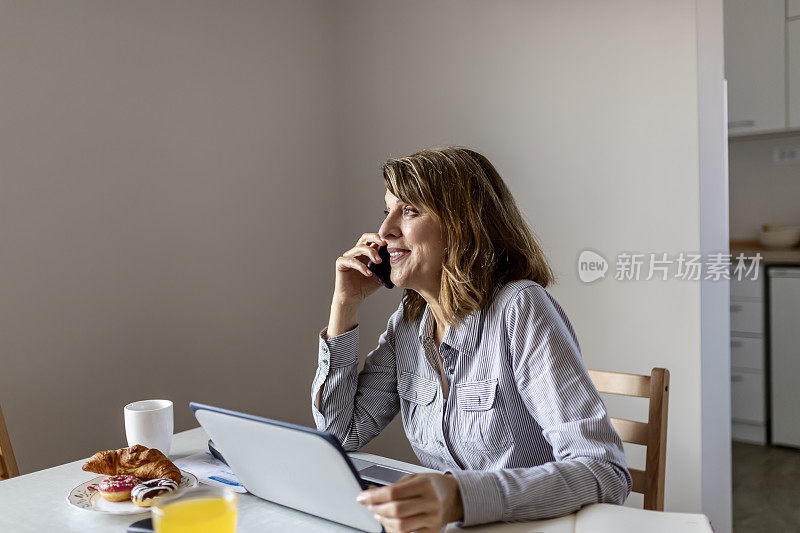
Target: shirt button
column 324, row 349
column 324, row 361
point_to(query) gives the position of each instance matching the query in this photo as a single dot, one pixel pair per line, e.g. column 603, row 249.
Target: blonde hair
column 487, row 241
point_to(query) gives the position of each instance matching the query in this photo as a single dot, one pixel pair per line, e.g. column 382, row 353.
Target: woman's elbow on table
column 616, row 486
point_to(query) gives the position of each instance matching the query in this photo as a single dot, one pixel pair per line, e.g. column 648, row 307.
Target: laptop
column 295, row 466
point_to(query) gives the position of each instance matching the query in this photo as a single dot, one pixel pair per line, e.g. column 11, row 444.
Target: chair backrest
column 652, row 435
column 8, row 463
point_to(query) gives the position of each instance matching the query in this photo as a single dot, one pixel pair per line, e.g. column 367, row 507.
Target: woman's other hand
column 354, row 281
column 418, row 502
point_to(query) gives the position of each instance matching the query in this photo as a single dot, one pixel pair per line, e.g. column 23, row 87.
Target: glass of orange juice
column 203, row 509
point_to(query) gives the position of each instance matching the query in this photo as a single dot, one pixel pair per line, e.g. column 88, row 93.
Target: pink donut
column 117, row 488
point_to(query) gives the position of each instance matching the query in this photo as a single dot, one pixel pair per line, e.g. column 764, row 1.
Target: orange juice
column 201, row 515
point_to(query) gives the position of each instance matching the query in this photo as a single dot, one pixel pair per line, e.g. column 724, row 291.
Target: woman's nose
column 389, row 228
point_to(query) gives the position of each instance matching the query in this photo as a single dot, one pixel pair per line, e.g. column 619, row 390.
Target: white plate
column 86, row 496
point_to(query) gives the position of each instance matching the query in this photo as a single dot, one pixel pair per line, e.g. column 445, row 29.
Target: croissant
column 139, row 461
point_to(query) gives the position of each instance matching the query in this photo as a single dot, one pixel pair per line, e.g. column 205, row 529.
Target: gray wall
column 762, row 191
column 167, row 211
column 180, row 176
column 590, row 112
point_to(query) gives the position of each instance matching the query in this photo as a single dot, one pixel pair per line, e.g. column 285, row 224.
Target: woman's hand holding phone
column 354, row 280
column 354, row 283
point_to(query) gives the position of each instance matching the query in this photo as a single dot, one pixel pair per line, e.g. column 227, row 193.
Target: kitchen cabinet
column 793, row 8
column 784, row 284
column 747, row 354
column 747, row 397
column 793, row 36
column 748, row 391
column 755, row 65
column 747, row 317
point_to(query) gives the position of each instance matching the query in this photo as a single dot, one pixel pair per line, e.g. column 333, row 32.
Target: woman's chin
column 405, row 282
column 398, row 281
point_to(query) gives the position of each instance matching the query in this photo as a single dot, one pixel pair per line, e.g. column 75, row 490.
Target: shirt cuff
column 338, row 351
column 481, row 496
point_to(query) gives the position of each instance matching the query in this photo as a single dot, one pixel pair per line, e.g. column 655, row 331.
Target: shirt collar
column 463, row 339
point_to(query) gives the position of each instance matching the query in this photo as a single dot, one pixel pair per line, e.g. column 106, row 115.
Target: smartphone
column 383, row 269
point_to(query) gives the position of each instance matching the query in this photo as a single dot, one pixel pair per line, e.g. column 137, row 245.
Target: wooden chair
column 652, row 435
column 8, row 463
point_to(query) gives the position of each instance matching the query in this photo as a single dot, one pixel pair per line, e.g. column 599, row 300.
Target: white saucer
column 86, row 496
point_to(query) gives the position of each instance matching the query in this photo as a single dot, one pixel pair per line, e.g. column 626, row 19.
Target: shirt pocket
column 418, row 393
column 480, row 422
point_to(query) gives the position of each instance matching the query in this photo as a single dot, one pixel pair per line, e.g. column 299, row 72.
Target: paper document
column 211, row 471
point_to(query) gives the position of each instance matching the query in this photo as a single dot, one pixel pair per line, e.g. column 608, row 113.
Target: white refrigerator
column 784, row 353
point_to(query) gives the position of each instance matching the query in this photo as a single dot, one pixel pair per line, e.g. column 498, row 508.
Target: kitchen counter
column 769, row 256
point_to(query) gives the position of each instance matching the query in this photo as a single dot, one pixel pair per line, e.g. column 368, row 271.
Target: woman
column 479, row 359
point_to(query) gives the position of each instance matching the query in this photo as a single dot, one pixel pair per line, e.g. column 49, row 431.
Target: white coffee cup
column 150, row 423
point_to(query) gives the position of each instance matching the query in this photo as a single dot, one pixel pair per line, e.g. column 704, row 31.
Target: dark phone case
column 142, row 526
column 383, row 269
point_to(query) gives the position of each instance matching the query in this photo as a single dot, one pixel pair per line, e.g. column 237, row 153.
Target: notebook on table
column 604, row 518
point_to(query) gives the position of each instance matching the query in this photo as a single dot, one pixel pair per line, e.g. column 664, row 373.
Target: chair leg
column 657, row 440
column 8, row 463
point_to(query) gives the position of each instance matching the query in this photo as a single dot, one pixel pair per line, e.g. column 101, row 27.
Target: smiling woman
column 479, row 359
column 415, row 243
column 489, row 241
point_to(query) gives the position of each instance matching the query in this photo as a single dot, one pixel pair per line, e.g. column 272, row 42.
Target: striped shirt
column 522, row 430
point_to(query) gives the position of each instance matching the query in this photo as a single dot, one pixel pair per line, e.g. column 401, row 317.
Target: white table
column 37, row 502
